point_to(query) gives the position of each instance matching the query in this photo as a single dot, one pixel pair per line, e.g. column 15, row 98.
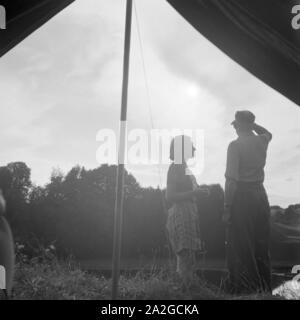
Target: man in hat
column 247, row 210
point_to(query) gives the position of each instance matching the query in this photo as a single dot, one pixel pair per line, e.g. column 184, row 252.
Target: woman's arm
column 175, row 175
column 173, row 196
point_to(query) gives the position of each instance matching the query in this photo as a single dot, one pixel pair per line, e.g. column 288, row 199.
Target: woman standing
column 183, row 224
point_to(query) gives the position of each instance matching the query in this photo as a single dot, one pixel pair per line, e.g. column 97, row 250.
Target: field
column 57, row 280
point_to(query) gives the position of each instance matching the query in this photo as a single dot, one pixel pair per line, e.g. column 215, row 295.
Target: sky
column 63, row 84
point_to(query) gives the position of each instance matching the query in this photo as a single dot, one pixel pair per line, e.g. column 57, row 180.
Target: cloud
column 190, row 57
column 63, row 84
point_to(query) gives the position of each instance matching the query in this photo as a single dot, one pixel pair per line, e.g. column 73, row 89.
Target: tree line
column 75, row 213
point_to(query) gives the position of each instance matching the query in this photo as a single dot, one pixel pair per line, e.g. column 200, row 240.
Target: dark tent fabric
column 25, row 16
column 257, row 34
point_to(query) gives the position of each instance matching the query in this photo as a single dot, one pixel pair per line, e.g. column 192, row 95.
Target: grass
column 54, row 280
column 66, row 281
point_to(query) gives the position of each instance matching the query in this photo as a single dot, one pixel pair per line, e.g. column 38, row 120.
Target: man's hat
column 244, row 117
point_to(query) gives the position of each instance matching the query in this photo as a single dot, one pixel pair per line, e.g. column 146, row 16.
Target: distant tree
column 291, row 215
column 16, row 183
column 76, row 212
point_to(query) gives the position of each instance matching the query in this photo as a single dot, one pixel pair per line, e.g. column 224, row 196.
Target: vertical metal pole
column 118, row 223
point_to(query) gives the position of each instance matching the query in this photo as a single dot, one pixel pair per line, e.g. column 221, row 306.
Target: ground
column 57, row 280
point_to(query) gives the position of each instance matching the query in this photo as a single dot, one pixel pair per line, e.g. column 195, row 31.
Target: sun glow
column 192, row 90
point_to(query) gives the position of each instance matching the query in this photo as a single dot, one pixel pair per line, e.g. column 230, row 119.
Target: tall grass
column 44, row 277
column 54, row 280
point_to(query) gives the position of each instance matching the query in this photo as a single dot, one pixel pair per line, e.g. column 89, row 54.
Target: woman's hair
column 181, row 142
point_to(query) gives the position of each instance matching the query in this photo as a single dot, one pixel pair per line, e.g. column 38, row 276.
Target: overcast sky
column 63, row 84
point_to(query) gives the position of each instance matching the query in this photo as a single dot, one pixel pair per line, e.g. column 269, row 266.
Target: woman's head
column 181, row 149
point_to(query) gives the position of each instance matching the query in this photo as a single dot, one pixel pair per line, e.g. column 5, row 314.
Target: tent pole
column 118, row 215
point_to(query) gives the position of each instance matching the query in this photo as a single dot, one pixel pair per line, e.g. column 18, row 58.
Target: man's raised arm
column 262, row 131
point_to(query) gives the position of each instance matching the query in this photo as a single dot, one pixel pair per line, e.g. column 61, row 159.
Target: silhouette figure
column 247, row 209
column 7, row 259
column 182, row 223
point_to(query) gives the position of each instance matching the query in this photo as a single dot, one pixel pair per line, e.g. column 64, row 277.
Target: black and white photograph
column 150, row 151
